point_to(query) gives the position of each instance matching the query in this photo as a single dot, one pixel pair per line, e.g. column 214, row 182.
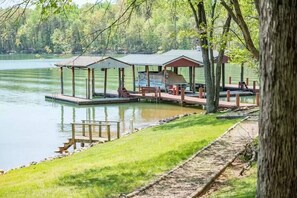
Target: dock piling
column 228, row 95
column 118, row 130
column 230, row 80
column 200, row 92
column 257, row 99
column 254, row 86
column 237, row 100
column 108, row 132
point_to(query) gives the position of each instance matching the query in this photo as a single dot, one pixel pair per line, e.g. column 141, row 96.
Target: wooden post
column 62, row 80
column 242, row 73
column 90, row 132
column 159, row 90
column 254, row 86
column 105, row 82
column 175, row 70
column 237, row 100
column 156, row 92
column 120, row 82
column 143, row 92
column 147, row 75
column 73, row 82
column 108, row 132
column 89, row 85
column 93, row 82
column 193, row 79
column 200, row 92
column 223, row 75
column 182, row 96
column 230, row 80
column 73, row 135
column 83, row 128
column 228, row 95
column 100, row 129
column 247, row 81
column 118, row 130
column 133, row 76
column 257, row 99
column 190, row 78
column 165, row 78
column 123, row 77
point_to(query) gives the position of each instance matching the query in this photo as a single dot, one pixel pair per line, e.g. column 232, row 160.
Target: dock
column 85, row 101
column 186, row 99
column 91, row 131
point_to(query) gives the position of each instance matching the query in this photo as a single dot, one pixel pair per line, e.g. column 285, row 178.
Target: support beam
column 93, row 82
column 133, row 77
column 120, row 83
column 123, row 77
column 73, row 82
column 165, row 78
column 241, row 73
column 89, row 84
column 175, row 70
column 159, row 68
column 223, row 75
column 105, row 81
column 62, row 80
column 147, row 75
column 193, row 79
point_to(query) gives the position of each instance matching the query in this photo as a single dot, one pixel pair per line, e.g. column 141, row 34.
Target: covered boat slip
column 92, row 64
column 163, row 78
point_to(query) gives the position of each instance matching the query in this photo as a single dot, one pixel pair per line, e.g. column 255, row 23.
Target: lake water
column 31, row 128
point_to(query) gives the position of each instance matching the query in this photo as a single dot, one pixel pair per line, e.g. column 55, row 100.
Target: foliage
column 119, row 166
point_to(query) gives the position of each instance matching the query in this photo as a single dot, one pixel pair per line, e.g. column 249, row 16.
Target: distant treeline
column 159, row 27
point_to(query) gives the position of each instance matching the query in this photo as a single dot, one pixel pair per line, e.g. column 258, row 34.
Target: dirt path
column 192, row 177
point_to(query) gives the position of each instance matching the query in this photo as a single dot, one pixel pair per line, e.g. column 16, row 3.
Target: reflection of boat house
column 163, row 77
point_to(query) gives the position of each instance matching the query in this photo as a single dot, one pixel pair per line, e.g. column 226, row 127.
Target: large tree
column 277, row 165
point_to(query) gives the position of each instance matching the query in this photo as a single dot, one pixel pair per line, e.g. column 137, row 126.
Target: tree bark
column 277, row 164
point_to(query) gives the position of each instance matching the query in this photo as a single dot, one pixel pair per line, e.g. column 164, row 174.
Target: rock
column 1, row 172
column 33, row 163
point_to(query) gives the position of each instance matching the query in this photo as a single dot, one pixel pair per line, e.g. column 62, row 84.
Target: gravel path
column 192, row 177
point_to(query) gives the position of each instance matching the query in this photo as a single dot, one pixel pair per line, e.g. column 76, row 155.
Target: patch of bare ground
column 194, row 177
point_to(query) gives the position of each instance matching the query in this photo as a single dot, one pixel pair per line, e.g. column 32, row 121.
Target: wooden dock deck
column 187, row 100
column 84, row 101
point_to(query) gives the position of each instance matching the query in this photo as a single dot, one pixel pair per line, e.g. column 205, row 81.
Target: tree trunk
column 277, row 165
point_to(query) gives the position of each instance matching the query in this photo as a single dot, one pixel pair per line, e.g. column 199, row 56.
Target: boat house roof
column 93, row 62
column 160, row 60
column 194, row 54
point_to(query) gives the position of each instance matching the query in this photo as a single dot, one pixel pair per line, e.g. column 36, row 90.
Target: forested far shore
column 77, row 30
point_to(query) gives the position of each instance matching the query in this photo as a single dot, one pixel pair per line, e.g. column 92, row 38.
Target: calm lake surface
column 32, row 128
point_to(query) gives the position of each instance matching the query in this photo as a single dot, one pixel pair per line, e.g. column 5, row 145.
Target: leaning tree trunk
column 277, row 165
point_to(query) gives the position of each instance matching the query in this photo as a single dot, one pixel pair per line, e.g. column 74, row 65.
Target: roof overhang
column 93, row 62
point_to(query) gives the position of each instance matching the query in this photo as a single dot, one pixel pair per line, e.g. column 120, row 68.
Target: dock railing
column 102, row 122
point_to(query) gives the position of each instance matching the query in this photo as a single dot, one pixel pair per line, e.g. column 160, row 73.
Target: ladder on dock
column 90, row 131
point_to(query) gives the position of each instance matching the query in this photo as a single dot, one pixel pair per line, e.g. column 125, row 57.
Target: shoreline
column 66, row 154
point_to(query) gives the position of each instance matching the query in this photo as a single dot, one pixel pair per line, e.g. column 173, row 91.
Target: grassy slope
column 240, row 187
column 117, row 167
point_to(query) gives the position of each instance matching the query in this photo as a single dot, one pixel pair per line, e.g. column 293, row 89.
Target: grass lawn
column 116, row 167
column 244, row 187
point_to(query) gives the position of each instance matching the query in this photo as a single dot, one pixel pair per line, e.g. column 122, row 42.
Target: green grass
column 239, row 187
column 110, row 169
